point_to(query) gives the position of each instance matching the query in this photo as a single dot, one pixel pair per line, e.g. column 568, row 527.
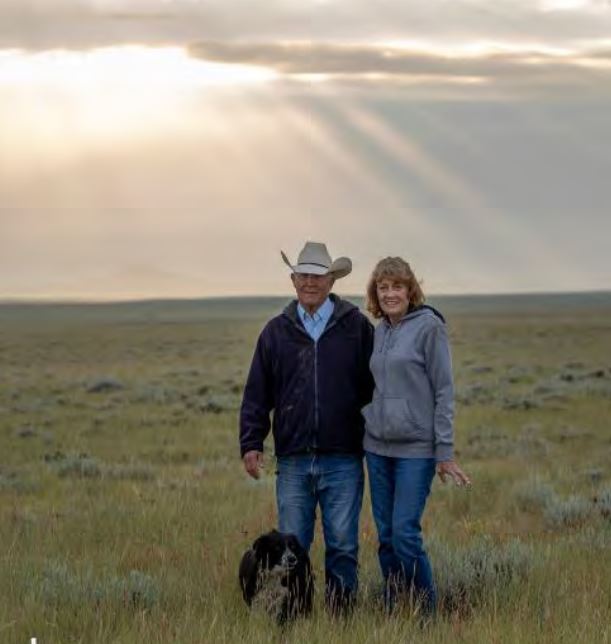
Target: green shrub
column 137, row 590
column 602, row 502
column 84, row 466
column 465, row 577
column 58, row 585
column 534, row 494
column 10, row 481
column 78, row 466
column 129, row 472
column 567, row 513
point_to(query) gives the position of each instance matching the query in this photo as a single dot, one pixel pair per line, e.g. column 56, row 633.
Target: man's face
column 312, row 290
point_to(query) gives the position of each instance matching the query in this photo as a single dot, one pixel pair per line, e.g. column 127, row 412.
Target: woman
column 408, row 425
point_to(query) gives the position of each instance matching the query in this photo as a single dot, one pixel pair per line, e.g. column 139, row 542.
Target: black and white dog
column 276, row 575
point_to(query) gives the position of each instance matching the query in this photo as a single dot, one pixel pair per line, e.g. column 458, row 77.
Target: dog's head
column 276, row 572
column 276, row 549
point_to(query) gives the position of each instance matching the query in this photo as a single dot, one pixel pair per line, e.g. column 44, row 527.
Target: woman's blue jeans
column 335, row 481
column 399, row 489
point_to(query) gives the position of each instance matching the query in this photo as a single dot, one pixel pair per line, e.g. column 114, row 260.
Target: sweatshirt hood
column 417, row 311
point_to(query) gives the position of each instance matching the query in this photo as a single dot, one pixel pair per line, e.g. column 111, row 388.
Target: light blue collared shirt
column 315, row 324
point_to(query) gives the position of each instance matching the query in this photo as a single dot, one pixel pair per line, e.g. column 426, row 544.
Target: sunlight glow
column 64, row 101
column 389, row 80
column 475, row 49
column 168, row 68
column 565, row 5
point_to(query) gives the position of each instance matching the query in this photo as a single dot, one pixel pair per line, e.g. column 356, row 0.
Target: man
column 311, row 367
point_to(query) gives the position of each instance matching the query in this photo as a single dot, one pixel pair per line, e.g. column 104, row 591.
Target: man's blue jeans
column 336, row 483
column 399, row 489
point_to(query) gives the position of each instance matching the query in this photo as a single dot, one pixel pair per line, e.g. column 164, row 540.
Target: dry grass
column 124, row 511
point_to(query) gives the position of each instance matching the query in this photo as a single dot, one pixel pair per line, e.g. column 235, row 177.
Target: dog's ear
column 248, row 574
column 262, row 545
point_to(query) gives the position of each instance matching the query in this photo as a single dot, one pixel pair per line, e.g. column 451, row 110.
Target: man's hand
column 253, row 463
column 451, row 469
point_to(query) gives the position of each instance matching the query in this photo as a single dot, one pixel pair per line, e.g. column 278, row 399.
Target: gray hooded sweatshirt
column 411, row 414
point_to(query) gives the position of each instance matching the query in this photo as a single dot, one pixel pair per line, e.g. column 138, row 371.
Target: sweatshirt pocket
column 367, row 412
column 399, row 423
column 372, row 413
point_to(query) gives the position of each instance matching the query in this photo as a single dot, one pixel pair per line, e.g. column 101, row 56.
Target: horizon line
column 50, row 300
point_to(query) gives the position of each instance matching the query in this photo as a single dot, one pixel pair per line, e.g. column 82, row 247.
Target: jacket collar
column 340, row 309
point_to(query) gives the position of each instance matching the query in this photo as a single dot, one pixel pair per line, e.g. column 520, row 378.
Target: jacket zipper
column 316, row 412
column 316, row 428
column 314, row 442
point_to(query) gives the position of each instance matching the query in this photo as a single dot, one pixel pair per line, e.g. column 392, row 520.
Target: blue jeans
column 399, row 489
column 336, row 483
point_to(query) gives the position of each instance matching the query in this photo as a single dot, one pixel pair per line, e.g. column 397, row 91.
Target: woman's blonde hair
column 394, row 268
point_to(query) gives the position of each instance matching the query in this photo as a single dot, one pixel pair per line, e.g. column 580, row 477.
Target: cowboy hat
column 315, row 259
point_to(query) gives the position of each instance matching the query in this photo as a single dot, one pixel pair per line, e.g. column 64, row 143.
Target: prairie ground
column 124, row 509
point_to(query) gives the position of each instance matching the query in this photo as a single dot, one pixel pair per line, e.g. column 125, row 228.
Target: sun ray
column 458, row 194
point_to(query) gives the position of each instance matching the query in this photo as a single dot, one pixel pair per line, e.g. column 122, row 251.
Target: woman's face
column 393, row 298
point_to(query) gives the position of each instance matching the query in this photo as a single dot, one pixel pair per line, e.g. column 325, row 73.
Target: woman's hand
column 451, row 469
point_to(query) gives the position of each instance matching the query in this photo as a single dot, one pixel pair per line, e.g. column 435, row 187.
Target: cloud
column 529, row 70
column 601, row 53
column 43, row 24
column 518, row 42
column 328, row 58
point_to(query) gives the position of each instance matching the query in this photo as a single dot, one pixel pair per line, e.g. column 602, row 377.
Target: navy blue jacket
column 315, row 389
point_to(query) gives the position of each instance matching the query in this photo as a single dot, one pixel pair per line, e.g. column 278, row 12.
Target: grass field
column 124, row 508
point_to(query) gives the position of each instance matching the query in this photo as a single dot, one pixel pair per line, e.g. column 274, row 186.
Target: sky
column 173, row 148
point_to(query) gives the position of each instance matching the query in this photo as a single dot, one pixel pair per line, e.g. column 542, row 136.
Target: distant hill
column 250, row 308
